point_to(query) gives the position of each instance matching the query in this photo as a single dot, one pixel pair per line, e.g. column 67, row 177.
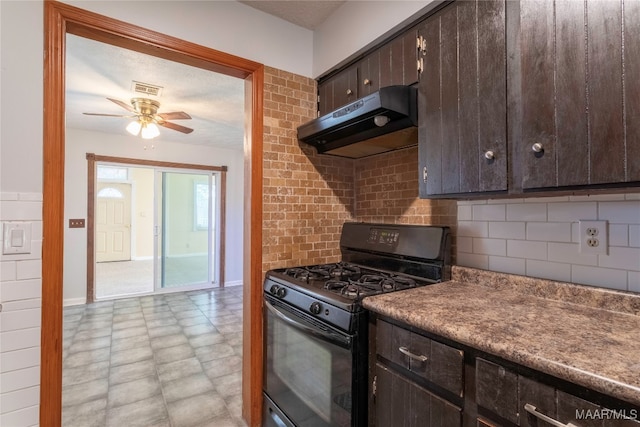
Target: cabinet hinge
column 420, row 65
column 421, row 45
column 374, row 386
column 318, row 107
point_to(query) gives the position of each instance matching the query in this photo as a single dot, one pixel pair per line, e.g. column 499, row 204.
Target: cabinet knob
column 349, row 92
column 489, row 155
column 537, row 148
column 366, row 82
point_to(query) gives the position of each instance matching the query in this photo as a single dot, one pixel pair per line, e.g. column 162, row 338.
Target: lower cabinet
column 423, row 380
column 401, row 402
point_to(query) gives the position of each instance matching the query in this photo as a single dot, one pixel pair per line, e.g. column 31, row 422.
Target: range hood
column 383, row 121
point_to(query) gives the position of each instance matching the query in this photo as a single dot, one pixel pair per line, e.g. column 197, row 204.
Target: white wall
column 224, row 25
column 539, row 237
column 357, row 25
column 79, row 143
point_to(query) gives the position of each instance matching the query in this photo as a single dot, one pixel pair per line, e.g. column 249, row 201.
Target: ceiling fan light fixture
column 134, row 127
column 150, row 131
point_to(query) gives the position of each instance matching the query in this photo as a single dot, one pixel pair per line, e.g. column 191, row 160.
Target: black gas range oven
column 315, row 329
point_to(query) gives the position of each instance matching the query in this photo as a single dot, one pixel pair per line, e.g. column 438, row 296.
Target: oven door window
column 308, row 368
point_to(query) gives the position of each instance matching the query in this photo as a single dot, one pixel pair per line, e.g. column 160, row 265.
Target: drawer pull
column 533, row 411
column 406, row 352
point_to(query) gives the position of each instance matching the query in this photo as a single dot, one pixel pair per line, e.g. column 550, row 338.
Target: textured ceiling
column 307, row 14
column 96, row 71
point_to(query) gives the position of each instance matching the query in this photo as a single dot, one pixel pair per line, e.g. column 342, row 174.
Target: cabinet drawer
column 432, row 360
column 507, row 394
column 400, row 402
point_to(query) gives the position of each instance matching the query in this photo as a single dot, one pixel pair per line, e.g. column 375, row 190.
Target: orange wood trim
column 59, row 19
column 52, row 219
column 252, row 293
column 91, row 221
column 155, row 163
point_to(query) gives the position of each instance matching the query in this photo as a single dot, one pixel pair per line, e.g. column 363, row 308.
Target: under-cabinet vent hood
column 383, row 121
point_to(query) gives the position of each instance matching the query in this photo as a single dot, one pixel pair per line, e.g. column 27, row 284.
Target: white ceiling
column 96, row 71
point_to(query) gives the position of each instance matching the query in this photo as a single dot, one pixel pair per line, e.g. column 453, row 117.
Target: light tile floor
column 172, row 360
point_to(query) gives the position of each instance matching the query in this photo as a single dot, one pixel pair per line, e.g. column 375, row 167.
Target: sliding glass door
column 186, row 229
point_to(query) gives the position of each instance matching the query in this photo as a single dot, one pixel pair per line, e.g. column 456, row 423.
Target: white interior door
column 113, row 222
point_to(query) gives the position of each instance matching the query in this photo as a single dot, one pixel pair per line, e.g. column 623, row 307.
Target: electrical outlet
column 593, row 237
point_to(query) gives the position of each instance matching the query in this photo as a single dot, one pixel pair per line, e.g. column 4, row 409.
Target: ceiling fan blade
column 123, row 105
column 175, row 127
column 176, row 115
column 107, row 115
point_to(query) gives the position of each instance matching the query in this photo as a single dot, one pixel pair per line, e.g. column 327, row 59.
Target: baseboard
column 233, row 283
column 74, row 301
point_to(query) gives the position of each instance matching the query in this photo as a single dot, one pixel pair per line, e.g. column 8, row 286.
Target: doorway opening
column 157, row 229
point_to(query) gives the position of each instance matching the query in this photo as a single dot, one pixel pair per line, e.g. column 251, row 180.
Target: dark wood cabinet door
column 577, row 96
column 497, row 389
column 338, row 90
column 400, row 402
column 369, row 74
column 462, row 100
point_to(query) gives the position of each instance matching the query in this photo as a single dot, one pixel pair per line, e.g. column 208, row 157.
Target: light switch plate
column 16, row 238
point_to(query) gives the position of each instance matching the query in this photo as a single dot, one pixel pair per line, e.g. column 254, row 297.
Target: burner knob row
column 278, row 291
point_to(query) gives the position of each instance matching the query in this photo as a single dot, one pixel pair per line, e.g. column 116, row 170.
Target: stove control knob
column 315, row 308
column 274, row 289
column 281, row 292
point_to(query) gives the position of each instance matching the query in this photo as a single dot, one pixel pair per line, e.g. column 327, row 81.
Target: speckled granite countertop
column 588, row 336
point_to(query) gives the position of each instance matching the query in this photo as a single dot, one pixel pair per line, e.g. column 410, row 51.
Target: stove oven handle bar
column 328, row 336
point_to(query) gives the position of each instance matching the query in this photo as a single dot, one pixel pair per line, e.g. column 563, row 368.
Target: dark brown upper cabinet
column 579, row 87
column 462, row 101
column 393, row 63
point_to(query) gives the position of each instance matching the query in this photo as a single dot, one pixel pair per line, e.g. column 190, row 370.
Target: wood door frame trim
column 93, row 159
column 60, row 19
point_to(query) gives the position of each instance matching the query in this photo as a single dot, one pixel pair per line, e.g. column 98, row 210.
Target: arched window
column 110, row 192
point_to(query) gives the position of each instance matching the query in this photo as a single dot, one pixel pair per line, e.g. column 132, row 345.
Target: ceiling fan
column 146, row 117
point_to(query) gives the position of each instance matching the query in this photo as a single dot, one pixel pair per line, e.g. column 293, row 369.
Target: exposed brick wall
column 307, row 197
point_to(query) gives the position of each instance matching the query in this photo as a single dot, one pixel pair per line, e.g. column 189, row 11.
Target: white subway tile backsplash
column 507, row 230
column 570, row 212
column 618, row 235
column 24, row 417
column 489, row 246
column 19, row 290
column 526, row 249
column 29, row 269
column 7, row 197
column 634, row 236
column 569, row 253
column 19, row 359
column 22, row 304
column 507, row 265
column 465, row 213
column 634, row 281
column 473, row 260
column 7, row 271
column 18, row 399
column 549, row 231
column 553, row 199
column 473, row 229
column 22, row 338
column 489, row 212
column 20, row 211
column 527, row 212
column 622, row 258
column 21, row 319
column 597, row 276
column 464, row 244
column 22, row 378
column 632, row 196
column 548, row 270
column 627, row 212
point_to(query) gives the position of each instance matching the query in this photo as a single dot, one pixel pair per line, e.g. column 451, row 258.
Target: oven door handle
column 333, row 338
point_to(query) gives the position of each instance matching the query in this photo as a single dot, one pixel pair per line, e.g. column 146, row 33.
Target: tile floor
column 171, row 360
